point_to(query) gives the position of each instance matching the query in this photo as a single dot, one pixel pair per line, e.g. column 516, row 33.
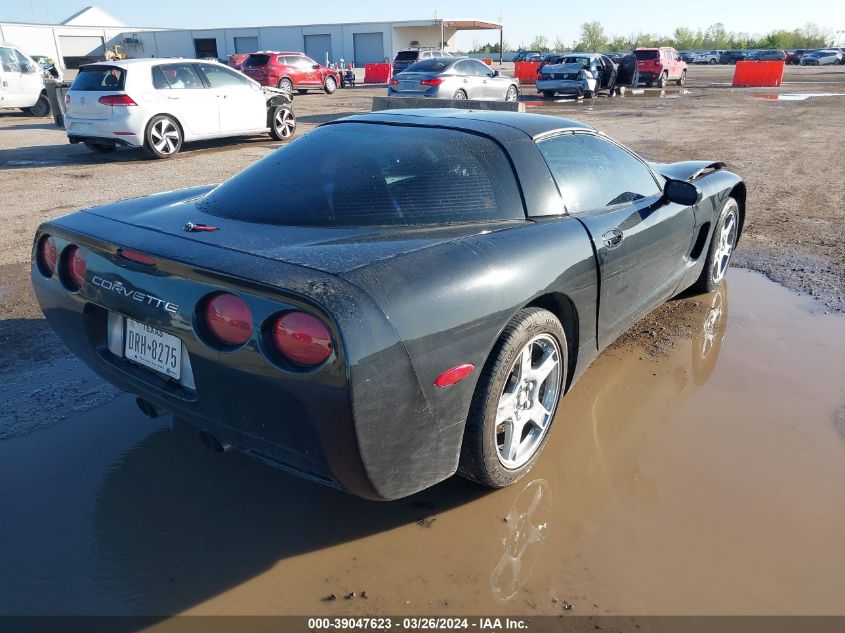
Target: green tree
column 593, row 37
column 539, row 43
column 619, row 43
column 684, row 38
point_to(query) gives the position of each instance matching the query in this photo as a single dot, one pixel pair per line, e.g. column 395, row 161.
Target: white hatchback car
column 158, row 104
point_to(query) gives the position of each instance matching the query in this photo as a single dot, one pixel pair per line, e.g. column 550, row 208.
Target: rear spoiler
column 687, row 170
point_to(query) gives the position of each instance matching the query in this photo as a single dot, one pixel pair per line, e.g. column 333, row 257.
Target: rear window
column 359, row 174
column 647, row 54
column 256, row 60
column 428, row 66
column 584, row 61
column 407, row 56
column 99, row 78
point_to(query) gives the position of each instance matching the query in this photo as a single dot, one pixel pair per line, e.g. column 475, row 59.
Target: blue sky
column 522, row 20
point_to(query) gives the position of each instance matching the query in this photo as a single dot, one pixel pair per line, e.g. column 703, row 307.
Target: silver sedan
column 453, row 78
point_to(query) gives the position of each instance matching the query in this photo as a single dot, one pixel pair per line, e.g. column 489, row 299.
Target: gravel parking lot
column 141, row 521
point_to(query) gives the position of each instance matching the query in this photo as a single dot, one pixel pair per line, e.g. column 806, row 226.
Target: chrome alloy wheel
column 727, row 241
column 284, row 122
column 528, row 401
column 164, row 136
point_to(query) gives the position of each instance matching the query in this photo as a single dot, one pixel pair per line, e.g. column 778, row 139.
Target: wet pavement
column 704, row 478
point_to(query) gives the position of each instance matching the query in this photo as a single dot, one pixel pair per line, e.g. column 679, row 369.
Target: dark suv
column 731, row 57
column 290, row 71
column 413, row 55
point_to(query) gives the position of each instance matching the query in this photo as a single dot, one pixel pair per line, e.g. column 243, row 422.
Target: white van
column 21, row 82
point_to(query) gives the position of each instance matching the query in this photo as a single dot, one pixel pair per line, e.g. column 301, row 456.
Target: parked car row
column 826, row 56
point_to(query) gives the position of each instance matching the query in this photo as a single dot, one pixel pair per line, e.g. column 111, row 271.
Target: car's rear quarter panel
column 449, row 304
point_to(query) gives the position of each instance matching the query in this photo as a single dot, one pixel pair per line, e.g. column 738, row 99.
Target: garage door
column 316, row 47
column 246, row 44
column 81, row 46
column 369, row 48
column 81, row 49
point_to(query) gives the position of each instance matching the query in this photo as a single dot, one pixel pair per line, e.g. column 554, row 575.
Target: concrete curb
column 401, row 103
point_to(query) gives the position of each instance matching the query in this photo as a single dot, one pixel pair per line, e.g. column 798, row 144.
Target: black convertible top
column 534, row 125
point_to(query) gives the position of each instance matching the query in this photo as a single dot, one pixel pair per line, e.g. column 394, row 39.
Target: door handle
column 613, row 238
column 174, row 98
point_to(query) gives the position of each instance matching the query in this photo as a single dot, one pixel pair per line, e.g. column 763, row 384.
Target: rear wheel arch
column 175, row 118
column 738, row 193
column 564, row 309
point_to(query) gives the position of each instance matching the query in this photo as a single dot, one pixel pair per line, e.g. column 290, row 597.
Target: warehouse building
column 86, row 36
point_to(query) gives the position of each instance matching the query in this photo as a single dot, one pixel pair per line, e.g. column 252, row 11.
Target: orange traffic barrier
column 377, row 73
column 526, row 72
column 487, row 61
column 758, row 74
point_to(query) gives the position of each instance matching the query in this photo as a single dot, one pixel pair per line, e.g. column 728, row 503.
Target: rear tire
column 40, row 109
column 101, row 148
column 163, row 138
column 589, row 94
column 515, row 400
column 330, row 85
column 460, row 95
column 282, row 123
column 286, row 85
column 722, row 244
column 682, row 79
column 661, row 83
column 548, row 94
column 712, row 61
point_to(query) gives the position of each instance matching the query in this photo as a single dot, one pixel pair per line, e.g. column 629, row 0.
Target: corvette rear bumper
column 337, row 425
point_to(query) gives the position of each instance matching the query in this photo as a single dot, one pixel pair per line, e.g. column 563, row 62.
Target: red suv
column 660, row 66
column 290, row 71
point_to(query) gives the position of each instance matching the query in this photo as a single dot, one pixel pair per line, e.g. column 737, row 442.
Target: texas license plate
column 153, row 348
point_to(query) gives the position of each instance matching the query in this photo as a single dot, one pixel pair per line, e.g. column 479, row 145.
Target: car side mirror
column 495, row 73
column 316, row 66
column 681, row 192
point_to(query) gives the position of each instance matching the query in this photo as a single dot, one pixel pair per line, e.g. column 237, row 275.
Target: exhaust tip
column 149, row 409
column 213, row 444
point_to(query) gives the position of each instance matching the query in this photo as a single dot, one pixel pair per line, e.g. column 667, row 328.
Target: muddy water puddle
column 704, row 479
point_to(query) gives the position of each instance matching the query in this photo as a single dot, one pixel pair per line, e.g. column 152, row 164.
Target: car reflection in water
column 521, row 539
column 608, row 434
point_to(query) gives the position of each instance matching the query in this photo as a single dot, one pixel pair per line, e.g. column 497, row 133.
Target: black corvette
column 391, row 298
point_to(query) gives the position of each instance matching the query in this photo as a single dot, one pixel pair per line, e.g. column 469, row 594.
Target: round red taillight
column 48, row 255
column 302, row 339
column 74, row 268
column 228, row 319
